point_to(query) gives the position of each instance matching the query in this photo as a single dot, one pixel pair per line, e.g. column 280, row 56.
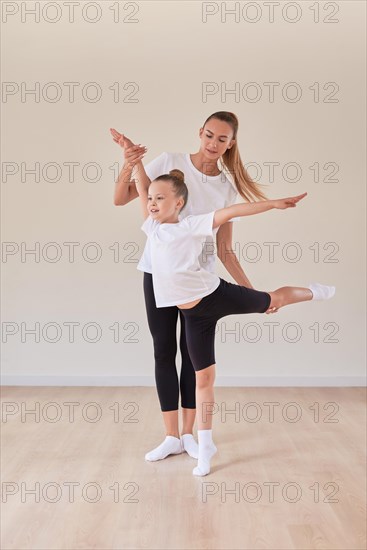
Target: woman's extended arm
column 223, row 215
column 125, row 188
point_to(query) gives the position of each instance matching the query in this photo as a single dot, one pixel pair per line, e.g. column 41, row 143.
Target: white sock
column 321, row 292
column 189, row 445
column 206, row 450
column 170, row 446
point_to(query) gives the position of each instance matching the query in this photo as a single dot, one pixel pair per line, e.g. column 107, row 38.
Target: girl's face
column 163, row 205
column 216, row 138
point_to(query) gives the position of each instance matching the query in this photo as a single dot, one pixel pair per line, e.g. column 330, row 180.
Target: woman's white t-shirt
column 175, row 248
column 206, row 193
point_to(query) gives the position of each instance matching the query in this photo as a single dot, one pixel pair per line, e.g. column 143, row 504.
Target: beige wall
column 169, row 53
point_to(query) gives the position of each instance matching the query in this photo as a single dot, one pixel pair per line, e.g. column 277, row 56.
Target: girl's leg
column 230, row 299
column 200, row 335
column 205, row 397
column 162, row 324
column 205, row 406
column 287, row 295
column 227, row 299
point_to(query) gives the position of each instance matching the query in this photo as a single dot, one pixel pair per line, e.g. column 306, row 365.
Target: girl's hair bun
column 177, row 174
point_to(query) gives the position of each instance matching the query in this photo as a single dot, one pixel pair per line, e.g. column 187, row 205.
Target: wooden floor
column 280, row 485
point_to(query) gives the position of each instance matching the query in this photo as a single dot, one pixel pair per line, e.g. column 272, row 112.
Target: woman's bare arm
column 227, row 255
column 229, row 259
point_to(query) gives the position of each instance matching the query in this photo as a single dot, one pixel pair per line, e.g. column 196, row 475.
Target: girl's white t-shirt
column 175, row 248
column 206, row 193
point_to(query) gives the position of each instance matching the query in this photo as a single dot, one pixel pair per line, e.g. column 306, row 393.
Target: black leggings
column 201, row 320
column 162, row 323
column 197, row 336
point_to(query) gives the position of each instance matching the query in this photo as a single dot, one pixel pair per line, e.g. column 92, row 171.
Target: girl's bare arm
column 223, row 215
column 143, row 194
column 125, row 188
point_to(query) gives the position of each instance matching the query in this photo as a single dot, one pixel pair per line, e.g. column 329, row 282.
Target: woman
column 204, row 298
column 209, row 188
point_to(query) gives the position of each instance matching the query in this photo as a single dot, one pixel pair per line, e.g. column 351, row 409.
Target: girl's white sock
column 321, row 292
column 189, row 445
column 170, row 446
column 206, row 450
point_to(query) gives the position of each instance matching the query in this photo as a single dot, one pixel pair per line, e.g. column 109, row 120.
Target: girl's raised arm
column 125, row 188
column 143, row 194
column 223, row 215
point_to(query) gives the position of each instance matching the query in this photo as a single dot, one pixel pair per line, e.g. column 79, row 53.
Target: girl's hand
column 271, row 310
column 132, row 153
column 121, row 139
column 289, row 202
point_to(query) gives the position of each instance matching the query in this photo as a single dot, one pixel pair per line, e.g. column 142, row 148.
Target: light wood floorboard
column 231, row 508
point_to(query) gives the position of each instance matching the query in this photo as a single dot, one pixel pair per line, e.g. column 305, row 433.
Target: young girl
column 203, row 297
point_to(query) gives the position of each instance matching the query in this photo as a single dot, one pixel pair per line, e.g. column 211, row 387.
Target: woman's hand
column 271, row 310
column 288, row 202
column 132, row 153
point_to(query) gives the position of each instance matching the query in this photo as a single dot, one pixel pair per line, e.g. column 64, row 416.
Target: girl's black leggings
column 197, row 340
column 201, row 320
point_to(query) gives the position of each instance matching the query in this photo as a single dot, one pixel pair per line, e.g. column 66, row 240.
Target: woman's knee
column 205, row 377
column 165, row 346
column 165, row 358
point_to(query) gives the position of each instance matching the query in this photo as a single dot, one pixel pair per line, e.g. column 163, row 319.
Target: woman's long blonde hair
column 232, row 162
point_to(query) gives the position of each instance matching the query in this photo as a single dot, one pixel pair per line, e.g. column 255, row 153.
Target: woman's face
column 163, row 205
column 216, row 138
